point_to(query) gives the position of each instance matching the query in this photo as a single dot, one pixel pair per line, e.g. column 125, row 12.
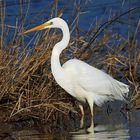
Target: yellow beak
column 37, row 28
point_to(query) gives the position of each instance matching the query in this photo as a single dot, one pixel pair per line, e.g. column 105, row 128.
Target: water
column 109, row 128
column 33, row 12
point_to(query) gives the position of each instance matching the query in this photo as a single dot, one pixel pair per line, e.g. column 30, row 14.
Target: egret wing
column 95, row 81
column 98, row 82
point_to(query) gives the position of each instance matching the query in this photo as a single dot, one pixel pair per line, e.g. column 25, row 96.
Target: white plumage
column 89, row 82
column 84, row 82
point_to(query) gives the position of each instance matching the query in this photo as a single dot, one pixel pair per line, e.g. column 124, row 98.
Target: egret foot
column 90, row 129
column 81, row 123
column 82, row 116
column 91, row 103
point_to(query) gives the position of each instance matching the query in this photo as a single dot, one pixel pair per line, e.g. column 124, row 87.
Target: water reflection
column 113, row 128
column 105, row 132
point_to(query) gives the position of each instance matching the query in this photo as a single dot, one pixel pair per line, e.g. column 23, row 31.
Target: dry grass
column 27, row 87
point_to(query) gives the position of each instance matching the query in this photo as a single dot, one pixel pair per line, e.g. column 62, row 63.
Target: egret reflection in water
column 104, row 132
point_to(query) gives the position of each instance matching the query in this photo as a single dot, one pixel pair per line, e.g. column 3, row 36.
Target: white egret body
column 82, row 81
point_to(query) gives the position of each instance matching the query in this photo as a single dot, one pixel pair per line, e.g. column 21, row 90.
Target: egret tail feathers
column 122, row 91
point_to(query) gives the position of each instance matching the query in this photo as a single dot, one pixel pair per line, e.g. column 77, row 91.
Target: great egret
column 82, row 81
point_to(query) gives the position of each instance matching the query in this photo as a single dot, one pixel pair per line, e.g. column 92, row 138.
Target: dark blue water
column 33, row 12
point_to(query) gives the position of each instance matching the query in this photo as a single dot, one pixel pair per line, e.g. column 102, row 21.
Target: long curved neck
column 56, row 67
column 60, row 46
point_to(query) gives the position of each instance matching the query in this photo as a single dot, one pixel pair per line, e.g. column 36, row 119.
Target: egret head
column 53, row 23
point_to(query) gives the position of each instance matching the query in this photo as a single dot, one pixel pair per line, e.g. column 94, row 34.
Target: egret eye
column 51, row 23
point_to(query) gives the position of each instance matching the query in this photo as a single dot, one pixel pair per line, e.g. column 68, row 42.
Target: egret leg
column 82, row 116
column 91, row 103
